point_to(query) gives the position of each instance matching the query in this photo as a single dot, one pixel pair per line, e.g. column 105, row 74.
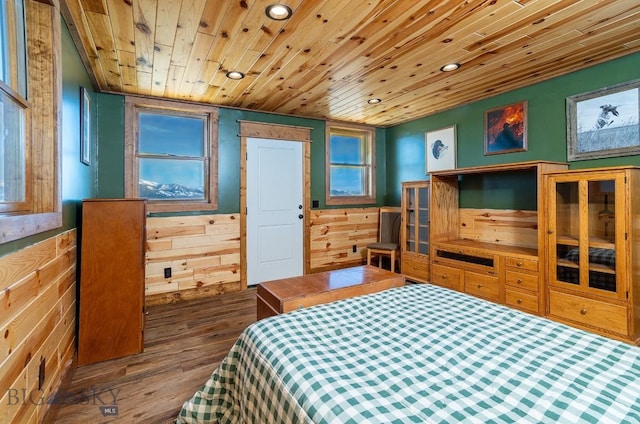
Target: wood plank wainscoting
column 333, row 234
column 38, row 311
column 203, row 252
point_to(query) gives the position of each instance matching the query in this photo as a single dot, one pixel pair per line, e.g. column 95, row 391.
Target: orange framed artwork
column 505, row 129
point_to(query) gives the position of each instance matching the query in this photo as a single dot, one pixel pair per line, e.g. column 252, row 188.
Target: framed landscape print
column 85, row 126
column 440, row 149
column 604, row 123
column 505, row 129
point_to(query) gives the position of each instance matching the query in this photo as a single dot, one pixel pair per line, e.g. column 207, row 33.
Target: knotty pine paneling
column 38, row 320
column 202, row 251
column 335, row 231
column 510, row 227
column 319, row 63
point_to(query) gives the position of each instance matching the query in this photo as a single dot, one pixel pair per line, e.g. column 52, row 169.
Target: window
column 14, row 145
column 172, row 154
column 350, row 165
column 30, row 117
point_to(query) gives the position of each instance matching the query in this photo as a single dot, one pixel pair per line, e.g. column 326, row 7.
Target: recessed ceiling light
column 450, row 67
column 278, row 12
column 374, row 101
column 235, row 75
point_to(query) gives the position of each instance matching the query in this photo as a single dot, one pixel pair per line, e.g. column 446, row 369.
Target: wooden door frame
column 249, row 129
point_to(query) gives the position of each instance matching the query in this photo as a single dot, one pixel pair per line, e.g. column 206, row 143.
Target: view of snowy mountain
column 154, row 190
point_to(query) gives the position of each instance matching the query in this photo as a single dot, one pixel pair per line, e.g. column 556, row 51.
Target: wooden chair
column 388, row 238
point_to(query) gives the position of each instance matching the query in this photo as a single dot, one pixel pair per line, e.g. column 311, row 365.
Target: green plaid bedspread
column 419, row 354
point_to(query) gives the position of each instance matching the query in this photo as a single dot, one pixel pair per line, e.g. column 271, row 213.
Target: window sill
column 333, row 201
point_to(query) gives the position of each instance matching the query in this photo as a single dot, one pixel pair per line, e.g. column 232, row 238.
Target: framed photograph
column 85, row 126
column 505, row 129
column 604, row 123
column 440, row 149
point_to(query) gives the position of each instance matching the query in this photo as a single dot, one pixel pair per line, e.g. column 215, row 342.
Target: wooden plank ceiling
column 333, row 55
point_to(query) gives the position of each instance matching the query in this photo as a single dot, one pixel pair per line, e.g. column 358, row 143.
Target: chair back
column 390, row 225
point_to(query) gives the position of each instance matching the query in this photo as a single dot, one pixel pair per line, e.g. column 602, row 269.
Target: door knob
column 299, row 206
column 300, row 216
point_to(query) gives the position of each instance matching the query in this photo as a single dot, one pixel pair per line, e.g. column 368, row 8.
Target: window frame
column 369, row 136
column 43, row 123
column 135, row 105
column 26, row 205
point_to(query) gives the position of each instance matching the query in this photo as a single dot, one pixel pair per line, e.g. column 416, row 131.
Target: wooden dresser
column 111, row 311
column 493, row 252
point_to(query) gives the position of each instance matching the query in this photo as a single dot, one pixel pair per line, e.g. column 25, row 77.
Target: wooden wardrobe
column 111, row 294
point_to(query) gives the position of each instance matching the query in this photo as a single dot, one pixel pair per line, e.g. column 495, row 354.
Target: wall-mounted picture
column 85, row 126
column 604, row 123
column 440, row 148
column 505, row 129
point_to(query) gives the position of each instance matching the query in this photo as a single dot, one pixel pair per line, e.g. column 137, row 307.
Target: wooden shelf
column 504, row 167
column 493, row 248
column 593, row 242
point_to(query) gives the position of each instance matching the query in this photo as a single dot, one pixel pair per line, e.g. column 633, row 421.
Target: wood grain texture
column 510, row 227
column 288, row 294
column 334, row 232
column 332, row 56
column 37, row 321
column 203, row 253
column 184, row 342
column 111, row 295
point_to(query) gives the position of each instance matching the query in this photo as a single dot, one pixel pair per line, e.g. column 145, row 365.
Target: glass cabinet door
column 416, row 204
column 410, row 223
column 423, row 220
column 586, row 235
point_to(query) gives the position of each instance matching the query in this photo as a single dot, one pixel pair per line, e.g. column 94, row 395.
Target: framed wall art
column 505, row 129
column 604, row 123
column 85, row 126
column 440, row 149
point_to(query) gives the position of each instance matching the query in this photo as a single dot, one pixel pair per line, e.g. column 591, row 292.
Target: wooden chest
column 288, row 294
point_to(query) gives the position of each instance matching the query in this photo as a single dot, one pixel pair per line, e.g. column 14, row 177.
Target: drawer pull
column 519, row 301
column 479, row 286
column 518, row 263
column 444, row 276
column 519, row 281
column 583, row 311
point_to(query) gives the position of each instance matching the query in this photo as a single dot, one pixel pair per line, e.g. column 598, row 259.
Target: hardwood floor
column 184, row 342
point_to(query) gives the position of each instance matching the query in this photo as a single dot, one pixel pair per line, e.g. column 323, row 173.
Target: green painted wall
column 78, row 180
column 111, row 152
column 546, row 135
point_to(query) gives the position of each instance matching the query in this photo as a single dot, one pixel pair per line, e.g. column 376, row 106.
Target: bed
column 419, row 354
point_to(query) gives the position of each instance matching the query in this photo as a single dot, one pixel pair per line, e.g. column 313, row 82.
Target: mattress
column 419, row 354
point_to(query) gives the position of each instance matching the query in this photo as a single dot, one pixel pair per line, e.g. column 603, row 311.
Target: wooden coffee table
column 288, row 294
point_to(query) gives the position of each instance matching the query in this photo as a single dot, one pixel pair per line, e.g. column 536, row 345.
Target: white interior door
column 274, row 209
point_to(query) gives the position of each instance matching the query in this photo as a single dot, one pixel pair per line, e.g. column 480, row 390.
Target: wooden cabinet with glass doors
column 594, row 254
column 414, row 237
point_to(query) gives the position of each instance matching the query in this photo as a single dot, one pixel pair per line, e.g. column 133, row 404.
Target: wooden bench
column 288, row 294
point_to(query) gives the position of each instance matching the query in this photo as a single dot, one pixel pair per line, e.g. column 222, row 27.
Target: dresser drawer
column 446, row 277
column 522, row 280
column 590, row 312
column 521, row 263
column 481, row 285
column 524, row 301
column 416, row 268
